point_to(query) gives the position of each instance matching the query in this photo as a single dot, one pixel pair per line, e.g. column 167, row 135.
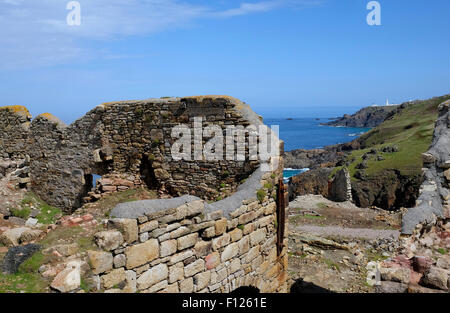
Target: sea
column 307, row 133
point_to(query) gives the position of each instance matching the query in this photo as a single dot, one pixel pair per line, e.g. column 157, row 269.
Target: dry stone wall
column 15, row 123
column 185, row 244
column 129, row 139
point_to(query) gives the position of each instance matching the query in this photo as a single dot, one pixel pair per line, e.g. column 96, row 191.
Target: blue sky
column 286, row 58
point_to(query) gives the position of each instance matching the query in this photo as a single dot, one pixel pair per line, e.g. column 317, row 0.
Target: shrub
column 261, row 194
column 22, row 213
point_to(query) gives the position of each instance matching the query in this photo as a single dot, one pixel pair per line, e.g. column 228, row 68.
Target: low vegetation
column 47, row 214
column 106, row 203
column 410, row 130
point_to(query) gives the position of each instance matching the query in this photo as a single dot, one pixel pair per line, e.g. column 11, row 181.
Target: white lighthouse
column 389, row 104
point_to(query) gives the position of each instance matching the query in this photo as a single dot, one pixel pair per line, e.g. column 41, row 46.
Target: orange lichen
column 18, row 109
column 50, row 117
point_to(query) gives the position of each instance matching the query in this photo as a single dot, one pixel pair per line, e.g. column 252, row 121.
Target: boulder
column 11, row 237
column 63, row 249
column 100, row 261
column 447, row 174
column 428, row 158
column 30, row 235
column 108, row 240
column 67, row 249
column 16, row 256
column 444, row 262
column 396, row 274
column 390, row 287
column 420, row 289
column 68, row 279
column 436, row 278
column 421, row 264
column 128, row 228
column 31, row 222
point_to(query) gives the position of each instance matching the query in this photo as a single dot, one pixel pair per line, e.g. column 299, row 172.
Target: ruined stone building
column 202, row 239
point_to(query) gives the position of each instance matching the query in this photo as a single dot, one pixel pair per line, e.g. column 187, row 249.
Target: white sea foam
column 297, row 169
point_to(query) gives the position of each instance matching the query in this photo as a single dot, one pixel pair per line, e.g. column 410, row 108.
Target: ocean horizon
column 307, row 133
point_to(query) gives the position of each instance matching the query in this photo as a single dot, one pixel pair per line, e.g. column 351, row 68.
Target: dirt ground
column 331, row 243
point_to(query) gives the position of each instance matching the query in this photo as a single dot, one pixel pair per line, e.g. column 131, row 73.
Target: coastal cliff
column 366, row 117
column 385, row 164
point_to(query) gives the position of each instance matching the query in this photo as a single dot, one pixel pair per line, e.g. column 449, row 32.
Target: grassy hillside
column 410, row 130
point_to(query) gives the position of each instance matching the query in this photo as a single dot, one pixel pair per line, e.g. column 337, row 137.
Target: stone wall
column 185, row 244
column 433, row 203
column 14, row 131
column 129, row 137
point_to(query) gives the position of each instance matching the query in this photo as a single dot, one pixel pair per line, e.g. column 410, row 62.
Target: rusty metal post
column 282, row 201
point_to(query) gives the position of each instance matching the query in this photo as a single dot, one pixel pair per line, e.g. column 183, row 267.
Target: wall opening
column 95, row 178
column 148, row 174
column 87, row 187
column 246, row 290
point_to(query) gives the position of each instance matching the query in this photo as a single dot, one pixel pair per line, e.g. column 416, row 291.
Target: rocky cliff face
column 385, row 163
column 311, row 182
column 329, row 156
column 389, row 190
column 366, row 117
column 434, row 199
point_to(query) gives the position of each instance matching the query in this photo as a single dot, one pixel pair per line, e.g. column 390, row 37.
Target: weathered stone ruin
column 187, row 243
column 127, row 143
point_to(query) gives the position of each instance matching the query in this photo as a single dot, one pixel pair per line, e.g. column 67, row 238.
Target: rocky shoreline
column 366, row 117
column 389, row 188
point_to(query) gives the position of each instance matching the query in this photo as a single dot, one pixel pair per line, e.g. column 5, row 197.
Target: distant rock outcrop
column 329, row 156
column 311, row 182
column 341, row 187
column 366, row 117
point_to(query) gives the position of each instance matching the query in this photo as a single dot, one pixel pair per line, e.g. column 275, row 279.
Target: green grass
column 321, row 205
column 107, row 203
column 313, row 217
column 47, row 215
column 27, row 279
column 331, row 264
column 22, row 213
column 261, row 194
column 61, row 234
column 22, row 282
column 373, row 255
column 411, row 130
column 442, row 251
column 84, row 286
